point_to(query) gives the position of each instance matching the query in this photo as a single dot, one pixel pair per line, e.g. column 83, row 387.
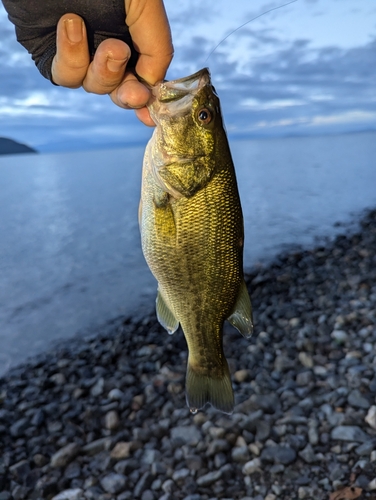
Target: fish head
column 188, row 130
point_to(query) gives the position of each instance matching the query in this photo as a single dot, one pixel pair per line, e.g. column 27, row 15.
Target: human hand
column 107, row 72
column 96, row 56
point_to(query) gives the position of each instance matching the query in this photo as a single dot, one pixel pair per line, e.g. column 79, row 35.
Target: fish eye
column 204, row 116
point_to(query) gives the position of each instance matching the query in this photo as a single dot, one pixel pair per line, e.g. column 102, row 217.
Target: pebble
column 189, row 434
column 371, row 417
column 72, row 494
column 349, row 433
column 252, row 466
column 278, row 454
column 65, row 455
column 209, row 478
column 357, row 400
column 111, row 420
column 105, row 418
column 113, row 483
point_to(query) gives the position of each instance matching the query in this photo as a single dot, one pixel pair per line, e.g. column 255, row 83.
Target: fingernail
column 73, row 27
column 115, row 65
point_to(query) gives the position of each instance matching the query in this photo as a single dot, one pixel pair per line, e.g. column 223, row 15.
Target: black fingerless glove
column 36, row 21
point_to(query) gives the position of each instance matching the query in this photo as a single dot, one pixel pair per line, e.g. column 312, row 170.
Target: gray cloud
column 291, row 88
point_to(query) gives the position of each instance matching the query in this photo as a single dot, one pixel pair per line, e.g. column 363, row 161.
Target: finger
column 72, row 59
column 131, row 94
column 151, row 35
column 107, row 69
column 144, row 116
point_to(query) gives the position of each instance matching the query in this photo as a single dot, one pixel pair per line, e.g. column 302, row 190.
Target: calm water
column 70, row 255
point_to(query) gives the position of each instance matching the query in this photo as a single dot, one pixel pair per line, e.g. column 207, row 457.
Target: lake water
column 70, row 255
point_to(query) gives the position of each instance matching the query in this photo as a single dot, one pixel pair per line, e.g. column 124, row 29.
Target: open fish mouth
column 176, row 89
column 175, row 97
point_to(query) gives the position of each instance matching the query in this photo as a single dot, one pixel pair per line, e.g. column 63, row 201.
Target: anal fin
column 165, row 317
column 241, row 316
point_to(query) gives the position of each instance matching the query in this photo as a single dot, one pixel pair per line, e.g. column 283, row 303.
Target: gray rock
column 20, row 492
column 150, row 456
column 262, row 430
column 93, row 493
column 371, row 417
column 143, row 483
column 147, row 495
column 349, row 433
column 72, row 494
column 65, row 455
column 240, row 454
column 193, row 462
column 111, row 420
column 188, row 434
column 252, row 466
column 210, row 478
column 307, row 454
column 168, row 486
column 20, row 470
column 115, row 394
column 19, row 427
column 73, row 470
column 97, row 388
column 113, row 483
column 357, row 400
column 279, row 454
column 216, row 446
column 366, row 448
column 180, row 475
column 97, row 446
column 38, row 418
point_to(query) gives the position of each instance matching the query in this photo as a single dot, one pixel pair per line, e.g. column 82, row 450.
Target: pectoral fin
column 241, row 316
column 165, row 316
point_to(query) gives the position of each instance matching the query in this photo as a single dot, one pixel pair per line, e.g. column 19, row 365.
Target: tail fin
column 202, row 389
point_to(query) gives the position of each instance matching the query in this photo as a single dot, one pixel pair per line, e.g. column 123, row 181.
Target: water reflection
column 70, row 255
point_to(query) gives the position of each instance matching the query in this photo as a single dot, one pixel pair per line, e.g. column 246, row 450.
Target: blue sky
column 307, row 68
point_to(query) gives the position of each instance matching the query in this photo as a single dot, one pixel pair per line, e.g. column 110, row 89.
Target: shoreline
column 305, row 385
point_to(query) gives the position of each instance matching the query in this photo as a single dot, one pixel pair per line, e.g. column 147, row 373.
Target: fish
column 192, row 233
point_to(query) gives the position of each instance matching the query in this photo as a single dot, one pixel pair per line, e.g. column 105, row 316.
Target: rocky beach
column 104, row 418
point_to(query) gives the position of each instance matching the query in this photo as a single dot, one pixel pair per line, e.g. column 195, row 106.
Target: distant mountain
column 10, row 147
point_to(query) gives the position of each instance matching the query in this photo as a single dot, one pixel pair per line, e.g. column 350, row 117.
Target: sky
column 306, row 68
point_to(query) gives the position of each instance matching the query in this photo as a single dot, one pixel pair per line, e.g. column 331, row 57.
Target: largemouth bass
column 192, row 232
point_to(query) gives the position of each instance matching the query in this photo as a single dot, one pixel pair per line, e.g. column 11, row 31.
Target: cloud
column 268, row 83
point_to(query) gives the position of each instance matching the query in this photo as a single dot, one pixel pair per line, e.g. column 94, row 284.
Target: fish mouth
column 177, row 89
column 175, row 97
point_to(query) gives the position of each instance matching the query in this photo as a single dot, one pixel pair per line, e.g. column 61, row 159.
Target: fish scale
column 192, row 233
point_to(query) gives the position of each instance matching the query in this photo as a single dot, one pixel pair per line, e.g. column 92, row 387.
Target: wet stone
column 209, row 479
column 349, row 433
column 65, row 455
column 357, row 400
column 97, row 446
column 189, row 434
column 71, row 494
column 240, row 454
column 73, row 470
column 111, row 420
column 113, row 483
column 20, row 470
column 19, row 427
column 143, row 483
column 216, row 446
column 279, row 454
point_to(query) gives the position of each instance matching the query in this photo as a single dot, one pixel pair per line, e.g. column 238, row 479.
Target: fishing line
column 244, row 24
